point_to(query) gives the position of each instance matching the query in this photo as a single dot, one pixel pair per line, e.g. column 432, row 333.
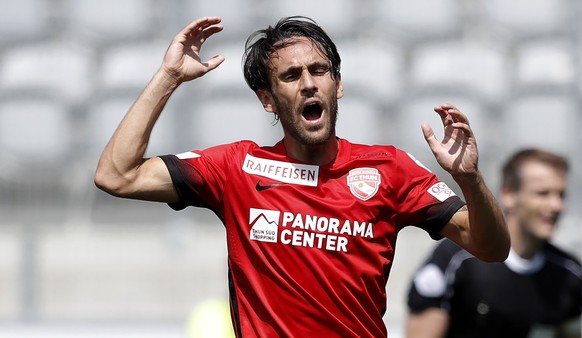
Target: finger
column 199, row 25
column 448, row 106
column 210, row 31
column 199, row 30
column 429, row 136
column 214, row 62
column 458, row 116
column 464, row 127
column 442, row 111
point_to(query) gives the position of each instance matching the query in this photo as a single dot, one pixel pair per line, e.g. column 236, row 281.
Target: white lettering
column 346, row 228
column 293, row 173
column 327, row 233
column 322, row 224
column 314, row 240
column 298, row 222
column 310, row 222
column 359, row 228
column 287, row 217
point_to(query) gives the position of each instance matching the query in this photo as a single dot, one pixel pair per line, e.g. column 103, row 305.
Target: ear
column 508, row 198
column 339, row 87
column 266, row 99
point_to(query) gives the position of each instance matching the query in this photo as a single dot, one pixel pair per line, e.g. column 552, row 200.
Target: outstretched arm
column 480, row 226
column 122, row 170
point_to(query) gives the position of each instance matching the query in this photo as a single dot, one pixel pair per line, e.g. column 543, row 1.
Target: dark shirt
column 509, row 299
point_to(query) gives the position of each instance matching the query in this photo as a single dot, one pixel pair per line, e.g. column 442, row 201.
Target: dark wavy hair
column 261, row 45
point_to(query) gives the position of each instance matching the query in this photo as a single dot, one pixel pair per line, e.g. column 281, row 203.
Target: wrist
column 468, row 178
column 168, row 79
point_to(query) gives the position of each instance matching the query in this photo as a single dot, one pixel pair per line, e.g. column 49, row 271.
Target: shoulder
column 358, row 150
column 447, row 254
column 227, row 150
column 431, row 279
column 388, row 154
column 563, row 259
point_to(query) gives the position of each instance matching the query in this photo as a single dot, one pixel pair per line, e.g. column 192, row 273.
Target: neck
column 320, row 154
column 522, row 242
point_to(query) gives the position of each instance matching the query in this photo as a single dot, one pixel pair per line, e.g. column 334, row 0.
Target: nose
column 307, row 82
column 556, row 202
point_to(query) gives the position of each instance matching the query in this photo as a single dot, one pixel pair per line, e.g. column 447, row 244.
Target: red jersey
column 310, row 247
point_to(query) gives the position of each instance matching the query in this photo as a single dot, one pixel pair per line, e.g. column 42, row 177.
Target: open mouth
column 312, row 112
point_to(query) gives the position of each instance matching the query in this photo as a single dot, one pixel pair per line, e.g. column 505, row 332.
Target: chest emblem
column 364, row 182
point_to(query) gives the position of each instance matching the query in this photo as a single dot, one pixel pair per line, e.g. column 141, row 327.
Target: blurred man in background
column 536, row 292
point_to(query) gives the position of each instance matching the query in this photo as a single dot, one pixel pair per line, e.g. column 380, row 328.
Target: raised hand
column 457, row 152
column 182, row 60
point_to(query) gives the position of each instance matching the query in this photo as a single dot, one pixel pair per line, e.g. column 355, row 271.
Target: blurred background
column 75, row 262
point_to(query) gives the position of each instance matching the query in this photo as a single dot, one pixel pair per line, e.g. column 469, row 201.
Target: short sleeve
column 200, row 176
column 424, row 200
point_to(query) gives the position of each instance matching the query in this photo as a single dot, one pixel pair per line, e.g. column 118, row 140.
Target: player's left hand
column 457, row 152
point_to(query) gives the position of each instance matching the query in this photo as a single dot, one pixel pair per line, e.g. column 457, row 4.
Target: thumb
column 214, row 62
column 429, row 136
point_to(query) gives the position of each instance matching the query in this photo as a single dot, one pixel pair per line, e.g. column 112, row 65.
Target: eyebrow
column 316, row 64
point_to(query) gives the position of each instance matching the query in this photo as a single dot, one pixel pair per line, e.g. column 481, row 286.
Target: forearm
column 486, row 236
column 124, row 153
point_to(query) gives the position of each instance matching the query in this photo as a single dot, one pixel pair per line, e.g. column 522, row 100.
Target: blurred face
column 538, row 203
column 303, row 93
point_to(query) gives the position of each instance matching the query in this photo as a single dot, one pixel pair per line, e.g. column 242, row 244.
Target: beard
column 290, row 119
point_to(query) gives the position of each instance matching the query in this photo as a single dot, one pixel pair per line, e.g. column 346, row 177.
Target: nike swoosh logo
column 260, row 187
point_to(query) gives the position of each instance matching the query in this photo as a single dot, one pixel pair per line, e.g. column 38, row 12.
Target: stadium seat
column 337, row 17
column 548, row 121
column 215, row 121
column 360, row 120
column 523, row 18
column 237, row 16
column 229, row 75
column 130, row 67
column 59, row 69
column 480, row 69
column 35, row 131
column 546, row 63
column 109, row 20
column 105, row 116
column 417, row 18
column 372, row 68
column 23, row 20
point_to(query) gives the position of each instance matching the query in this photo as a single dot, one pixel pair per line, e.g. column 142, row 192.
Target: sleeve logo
column 364, row 182
column 441, row 191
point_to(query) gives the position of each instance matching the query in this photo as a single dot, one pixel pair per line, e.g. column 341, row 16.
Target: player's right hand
column 182, row 60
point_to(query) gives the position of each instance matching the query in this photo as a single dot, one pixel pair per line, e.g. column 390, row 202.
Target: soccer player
column 536, row 292
column 311, row 222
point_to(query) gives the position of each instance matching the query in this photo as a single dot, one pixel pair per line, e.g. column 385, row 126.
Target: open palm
column 182, row 60
column 457, row 152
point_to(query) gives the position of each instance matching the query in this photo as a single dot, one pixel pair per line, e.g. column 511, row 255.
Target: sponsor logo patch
column 261, row 187
column 304, row 230
column 441, row 191
column 364, row 182
column 293, row 173
column 264, row 225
